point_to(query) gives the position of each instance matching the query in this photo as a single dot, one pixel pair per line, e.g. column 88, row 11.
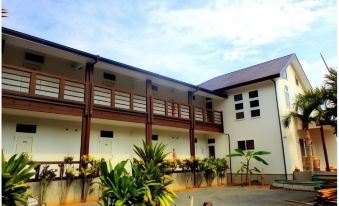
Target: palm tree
column 248, row 155
column 305, row 107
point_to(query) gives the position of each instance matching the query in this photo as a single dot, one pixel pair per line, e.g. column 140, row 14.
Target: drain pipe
column 229, row 152
column 280, row 129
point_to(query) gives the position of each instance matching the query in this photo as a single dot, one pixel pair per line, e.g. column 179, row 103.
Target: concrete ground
column 238, row 196
column 241, row 196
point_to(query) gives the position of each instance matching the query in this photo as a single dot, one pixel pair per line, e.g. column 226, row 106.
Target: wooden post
column 32, row 83
column 86, row 117
column 131, row 101
column 191, row 129
column 166, row 107
column 324, row 148
column 112, row 98
column 179, row 110
column 149, row 111
column 61, row 89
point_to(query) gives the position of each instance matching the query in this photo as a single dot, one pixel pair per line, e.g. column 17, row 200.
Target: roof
column 259, row 72
column 102, row 59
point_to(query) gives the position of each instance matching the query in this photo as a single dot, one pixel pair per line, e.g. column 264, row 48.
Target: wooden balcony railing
column 35, row 83
column 171, row 109
column 110, row 97
column 207, row 115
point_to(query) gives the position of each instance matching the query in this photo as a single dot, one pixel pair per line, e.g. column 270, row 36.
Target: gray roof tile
column 249, row 74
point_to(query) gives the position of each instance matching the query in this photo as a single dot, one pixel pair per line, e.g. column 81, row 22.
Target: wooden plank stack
column 326, row 196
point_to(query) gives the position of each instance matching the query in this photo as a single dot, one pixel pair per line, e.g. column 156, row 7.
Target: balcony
column 65, row 93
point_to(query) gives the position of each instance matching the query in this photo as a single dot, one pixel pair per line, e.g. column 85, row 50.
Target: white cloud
column 191, row 43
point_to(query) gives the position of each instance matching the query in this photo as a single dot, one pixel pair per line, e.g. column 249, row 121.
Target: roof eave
column 250, row 82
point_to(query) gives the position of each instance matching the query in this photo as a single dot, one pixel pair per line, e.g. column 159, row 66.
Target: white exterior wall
column 264, row 130
column 290, row 135
column 16, row 56
column 53, row 140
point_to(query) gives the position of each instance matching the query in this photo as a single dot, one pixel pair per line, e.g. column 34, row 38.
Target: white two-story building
column 58, row 101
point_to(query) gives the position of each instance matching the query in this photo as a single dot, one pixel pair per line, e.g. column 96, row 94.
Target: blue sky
column 192, row 40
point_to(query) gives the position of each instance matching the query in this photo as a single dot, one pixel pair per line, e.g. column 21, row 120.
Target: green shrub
column 15, row 174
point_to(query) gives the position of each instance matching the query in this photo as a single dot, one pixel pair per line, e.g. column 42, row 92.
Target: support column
column 324, row 148
column 149, row 110
column 86, row 117
column 192, row 124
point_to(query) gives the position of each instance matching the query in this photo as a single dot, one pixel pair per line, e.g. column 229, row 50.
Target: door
column 106, row 147
column 209, row 107
column 211, row 151
column 24, row 144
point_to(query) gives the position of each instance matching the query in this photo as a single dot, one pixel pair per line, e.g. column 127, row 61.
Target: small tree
column 249, row 155
column 304, row 112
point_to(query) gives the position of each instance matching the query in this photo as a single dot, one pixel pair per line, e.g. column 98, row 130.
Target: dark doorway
column 211, row 151
column 209, row 112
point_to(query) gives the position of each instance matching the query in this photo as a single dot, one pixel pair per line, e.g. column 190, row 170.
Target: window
column 239, row 115
column 250, row 144
column 255, row 113
column 106, row 134
column 296, row 81
column 211, row 141
column 287, row 97
column 253, row 94
column 246, row 145
column 254, row 103
column 154, row 88
column 26, row 128
column 155, row 137
column 239, row 106
column 108, row 76
column 238, row 97
column 241, row 145
column 34, row 58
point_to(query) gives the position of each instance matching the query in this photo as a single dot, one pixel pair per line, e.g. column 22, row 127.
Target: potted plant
column 208, row 168
column 46, row 176
column 70, row 173
column 88, row 172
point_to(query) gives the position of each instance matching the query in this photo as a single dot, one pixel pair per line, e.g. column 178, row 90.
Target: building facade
column 59, row 101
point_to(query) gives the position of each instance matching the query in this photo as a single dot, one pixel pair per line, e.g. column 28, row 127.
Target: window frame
column 245, row 142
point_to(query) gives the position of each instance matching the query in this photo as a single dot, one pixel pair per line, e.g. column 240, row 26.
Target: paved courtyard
column 241, row 196
column 238, row 196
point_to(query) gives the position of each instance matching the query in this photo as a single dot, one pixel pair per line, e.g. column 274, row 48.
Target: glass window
column 249, row 144
column 253, row 94
column 239, row 106
column 296, row 81
column 254, row 103
column 239, row 115
column 26, row 128
column 241, row 145
column 155, row 137
column 107, row 134
column 211, row 141
column 287, row 97
column 255, row 113
column 237, row 97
